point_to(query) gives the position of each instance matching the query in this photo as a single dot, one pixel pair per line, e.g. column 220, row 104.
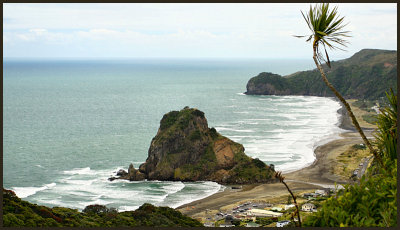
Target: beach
column 317, row 175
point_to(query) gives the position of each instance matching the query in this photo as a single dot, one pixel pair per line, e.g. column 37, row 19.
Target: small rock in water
column 122, row 172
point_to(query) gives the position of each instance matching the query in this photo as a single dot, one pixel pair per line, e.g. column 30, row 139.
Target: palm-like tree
column 327, row 31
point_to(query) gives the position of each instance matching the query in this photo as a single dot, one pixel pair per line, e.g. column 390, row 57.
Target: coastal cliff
column 365, row 75
column 186, row 149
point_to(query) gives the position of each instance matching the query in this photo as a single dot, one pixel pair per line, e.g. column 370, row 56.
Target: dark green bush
column 263, row 221
column 21, row 213
column 258, row 163
column 195, row 135
column 198, row 113
column 168, row 119
column 213, row 133
column 359, row 146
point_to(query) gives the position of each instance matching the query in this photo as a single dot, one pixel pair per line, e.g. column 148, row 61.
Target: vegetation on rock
column 186, row 149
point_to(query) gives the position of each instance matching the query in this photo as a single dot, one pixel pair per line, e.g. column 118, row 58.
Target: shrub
column 198, row 113
column 213, row 133
column 168, row 119
column 258, row 163
column 359, row 146
column 22, row 213
column 195, row 135
column 10, row 220
column 98, row 209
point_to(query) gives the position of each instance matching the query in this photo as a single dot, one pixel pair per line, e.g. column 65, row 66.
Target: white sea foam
column 80, row 171
column 124, row 208
column 174, row 187
column 199, row 190
column 298, row 128
column 97, row 201
column 23, row 192
column 79, row 182
column 94, row 189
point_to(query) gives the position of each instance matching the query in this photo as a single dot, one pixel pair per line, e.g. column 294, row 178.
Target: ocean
column 68, row 125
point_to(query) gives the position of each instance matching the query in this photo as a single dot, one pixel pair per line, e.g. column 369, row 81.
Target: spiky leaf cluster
column 327, row 29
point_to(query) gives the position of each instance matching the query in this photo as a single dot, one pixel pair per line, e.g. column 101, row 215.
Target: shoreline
column 314, row 176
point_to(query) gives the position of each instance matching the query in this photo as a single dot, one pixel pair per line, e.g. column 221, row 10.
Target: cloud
column 215, row 30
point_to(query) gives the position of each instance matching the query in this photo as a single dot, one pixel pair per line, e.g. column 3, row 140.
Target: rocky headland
column 367, row 75
column 186, row 149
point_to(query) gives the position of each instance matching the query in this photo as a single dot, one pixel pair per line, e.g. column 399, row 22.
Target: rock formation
column 186, row 149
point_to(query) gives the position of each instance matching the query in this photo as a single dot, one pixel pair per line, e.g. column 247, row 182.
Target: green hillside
column 365, row 75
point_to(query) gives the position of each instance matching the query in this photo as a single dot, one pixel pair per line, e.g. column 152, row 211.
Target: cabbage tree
column 326, row 28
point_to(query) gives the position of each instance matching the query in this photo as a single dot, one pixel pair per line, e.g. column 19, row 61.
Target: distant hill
column 365, row 75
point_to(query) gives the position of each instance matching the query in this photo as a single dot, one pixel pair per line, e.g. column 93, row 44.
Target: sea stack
column 186, row 149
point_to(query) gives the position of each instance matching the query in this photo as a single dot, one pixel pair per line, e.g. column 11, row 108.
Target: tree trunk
column 353, row 118
column 295, row 203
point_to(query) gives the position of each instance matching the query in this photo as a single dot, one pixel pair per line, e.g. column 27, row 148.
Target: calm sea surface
column 68, row 125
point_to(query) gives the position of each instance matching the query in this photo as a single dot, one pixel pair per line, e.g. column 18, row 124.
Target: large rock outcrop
column 186, row 149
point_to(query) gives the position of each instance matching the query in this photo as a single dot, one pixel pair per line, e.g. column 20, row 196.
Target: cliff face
column 365, row 75
column 185, row 149
column 268, row 84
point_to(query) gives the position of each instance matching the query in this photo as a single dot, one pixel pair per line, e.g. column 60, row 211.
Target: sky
column 137, row 30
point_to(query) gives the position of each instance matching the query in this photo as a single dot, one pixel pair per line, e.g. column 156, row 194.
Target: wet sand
column 315, row 176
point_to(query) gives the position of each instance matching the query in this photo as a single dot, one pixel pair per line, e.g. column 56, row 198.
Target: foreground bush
column 17, row 212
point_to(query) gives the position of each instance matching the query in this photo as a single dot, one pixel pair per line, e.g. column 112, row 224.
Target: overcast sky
column 184, row 30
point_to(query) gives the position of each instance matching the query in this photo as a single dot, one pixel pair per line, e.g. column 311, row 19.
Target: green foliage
column 198, row 113
column 353, row 79
column 326, row 27
column 213, row 133
column 275, row 79
column 195, row 135
column 372, row 202
column 206, row 164
column 191, row 157
column 264, row 221
column 250, row 172
column 359, row 146
column 289, row 199
column 258, row 163
column 370, row 118
column 364, row 105
column 10, row 220
column 98, row 209
column 386, row 135
column 180, row 119
column 168, row 119
column 236, row 222
column 21, row 213
column 184, row 118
